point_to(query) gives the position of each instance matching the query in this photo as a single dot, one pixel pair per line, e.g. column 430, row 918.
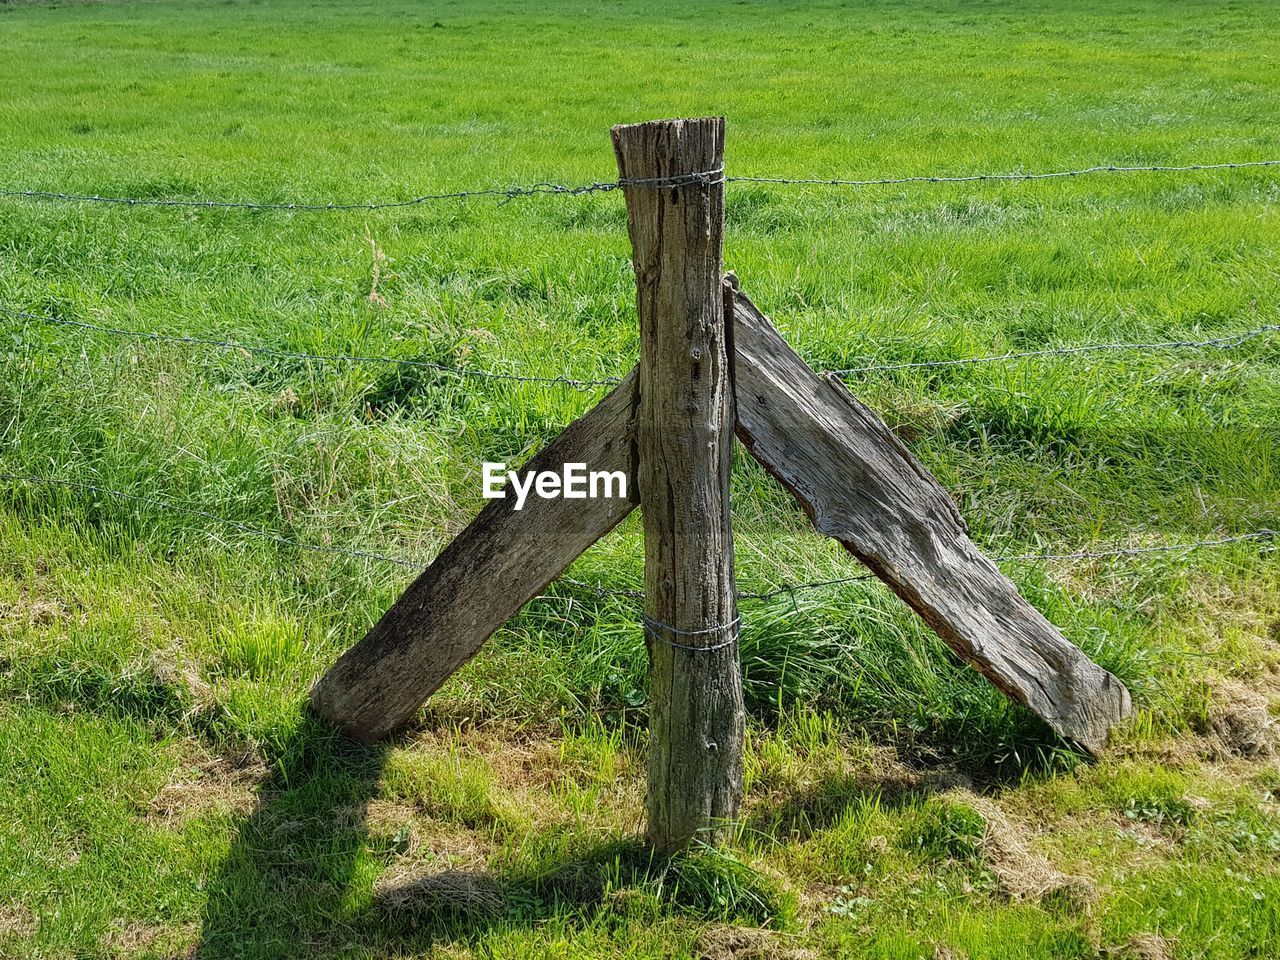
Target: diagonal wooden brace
column 848, row 470
column 861, row 486
column 502, row 560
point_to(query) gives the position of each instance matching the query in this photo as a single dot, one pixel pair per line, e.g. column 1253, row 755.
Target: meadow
column 163, row 791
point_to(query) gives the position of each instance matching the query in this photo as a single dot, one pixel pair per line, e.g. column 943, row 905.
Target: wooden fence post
column 685, row 440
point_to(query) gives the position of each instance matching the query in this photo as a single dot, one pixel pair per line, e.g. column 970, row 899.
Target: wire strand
column 507, row 194
column 665, row 631
column 239, row 347
column 1226, row 342
column 180, row 507
column 1013, row 176
column 504, row 194
column 1264, row 533
column 1220, row 343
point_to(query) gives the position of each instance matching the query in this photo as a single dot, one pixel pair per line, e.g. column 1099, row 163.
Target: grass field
column 162, row 792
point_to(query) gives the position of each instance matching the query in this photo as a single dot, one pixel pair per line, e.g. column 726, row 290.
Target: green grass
column 159, row 788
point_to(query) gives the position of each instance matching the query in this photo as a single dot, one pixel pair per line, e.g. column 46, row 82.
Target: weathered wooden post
column 669, row 425
column 672, row 177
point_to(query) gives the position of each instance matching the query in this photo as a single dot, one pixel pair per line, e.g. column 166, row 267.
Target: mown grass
column 161, row 790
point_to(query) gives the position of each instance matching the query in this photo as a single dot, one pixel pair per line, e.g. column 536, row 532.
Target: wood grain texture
column 685, row 438
column 860, row 485
column 500, row 561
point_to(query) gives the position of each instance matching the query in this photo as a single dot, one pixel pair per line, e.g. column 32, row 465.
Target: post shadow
column 298, row 880
column 283, row 888
column 291, row 884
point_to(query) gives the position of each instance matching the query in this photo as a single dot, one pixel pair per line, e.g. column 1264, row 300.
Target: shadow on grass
column 605, row 884
column 302, row 876
column 281, row 889
column 823, row 804
column 809, row 809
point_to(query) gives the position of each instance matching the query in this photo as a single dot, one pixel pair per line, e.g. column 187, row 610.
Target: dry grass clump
column 452, row 893
column 17, row 921
column 1143, row 946
column 208, row 783
column 747, row 943
column 1239, row 723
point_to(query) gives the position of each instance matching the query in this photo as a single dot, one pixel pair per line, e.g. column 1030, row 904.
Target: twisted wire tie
column 659, row 631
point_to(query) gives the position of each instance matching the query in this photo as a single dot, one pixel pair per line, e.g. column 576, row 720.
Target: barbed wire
column 789, row 588
column 1220, row 343
column 1226, row 342
column 179, row 507
column 240, row 347
column 664, row 632
column 504, row 194
column 507, row 194
column 410, row 563
column 418, row 564
column 1263, row 534
column 1013, row 176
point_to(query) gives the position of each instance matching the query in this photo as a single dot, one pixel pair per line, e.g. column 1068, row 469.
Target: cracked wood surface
column 860, row 485
column 685, row 437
